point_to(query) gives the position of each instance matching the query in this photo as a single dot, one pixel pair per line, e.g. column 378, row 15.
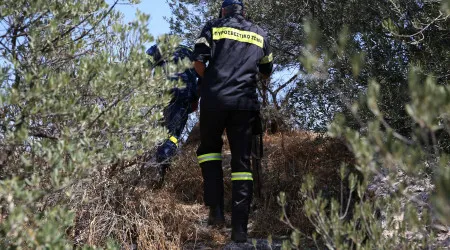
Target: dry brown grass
column 288, row 158
column 169, row 217
column 152, row 219
column 115, row 207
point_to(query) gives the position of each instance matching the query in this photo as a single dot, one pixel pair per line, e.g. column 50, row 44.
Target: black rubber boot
column 242, row 198
column 216, row 216
column 239, row 234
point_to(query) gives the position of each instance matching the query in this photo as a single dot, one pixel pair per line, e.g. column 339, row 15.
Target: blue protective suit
column 184, row 101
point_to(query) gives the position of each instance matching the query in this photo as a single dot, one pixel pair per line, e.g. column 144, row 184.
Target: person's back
column 236, row 51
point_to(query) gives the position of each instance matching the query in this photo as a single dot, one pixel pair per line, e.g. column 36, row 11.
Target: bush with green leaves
column 392, row 206
column 77, row 95
column 400, row 199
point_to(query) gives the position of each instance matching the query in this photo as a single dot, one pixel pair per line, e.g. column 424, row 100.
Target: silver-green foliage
column 76, row 95
column 401, row 198
column 391, row 207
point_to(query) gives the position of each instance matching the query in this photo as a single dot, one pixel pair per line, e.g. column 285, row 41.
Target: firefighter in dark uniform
column 237, row 52
column 184, row 101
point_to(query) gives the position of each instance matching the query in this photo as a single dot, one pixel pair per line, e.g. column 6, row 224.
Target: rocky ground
column 388, row 182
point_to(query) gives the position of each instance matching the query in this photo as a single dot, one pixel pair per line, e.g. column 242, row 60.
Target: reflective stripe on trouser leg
column 241, row 176
column 209, row 157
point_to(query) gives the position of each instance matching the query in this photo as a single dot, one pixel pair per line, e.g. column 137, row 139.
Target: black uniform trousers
column 238, row 125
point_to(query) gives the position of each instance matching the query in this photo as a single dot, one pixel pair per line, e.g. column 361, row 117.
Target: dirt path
column 222, row 236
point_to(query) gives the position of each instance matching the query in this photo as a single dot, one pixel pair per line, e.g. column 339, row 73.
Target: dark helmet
column 180, row 53
column 154, row 52
column 230, row 2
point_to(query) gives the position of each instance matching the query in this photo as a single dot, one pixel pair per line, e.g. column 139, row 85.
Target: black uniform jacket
column 235, row 50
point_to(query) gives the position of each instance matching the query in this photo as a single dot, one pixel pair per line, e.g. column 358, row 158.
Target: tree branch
column 43, row 135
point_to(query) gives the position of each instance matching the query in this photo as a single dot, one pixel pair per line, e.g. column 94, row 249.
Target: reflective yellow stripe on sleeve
column 174, row 140
column 241, row 176
column 209, row 157
column 267, row 59
column 238, row 35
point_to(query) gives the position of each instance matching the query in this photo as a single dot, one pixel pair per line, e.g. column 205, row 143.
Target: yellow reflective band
column 174, row 140
column 267, row 59
column 209, row 157
column 238, row 35
column 242, row 176
column 202, row 40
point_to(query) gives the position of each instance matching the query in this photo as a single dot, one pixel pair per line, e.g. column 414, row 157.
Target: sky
column 157, row 9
